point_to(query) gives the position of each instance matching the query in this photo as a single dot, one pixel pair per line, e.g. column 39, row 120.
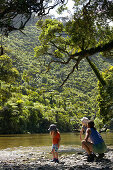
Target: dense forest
column 31, row 97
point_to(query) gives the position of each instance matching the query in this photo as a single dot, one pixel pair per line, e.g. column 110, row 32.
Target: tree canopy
column 7, row 72
column 86, row 34
column 34, row 100
column 105, row 97
column 15, row 14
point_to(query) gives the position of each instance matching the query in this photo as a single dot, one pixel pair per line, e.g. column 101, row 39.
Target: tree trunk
column 96, row 71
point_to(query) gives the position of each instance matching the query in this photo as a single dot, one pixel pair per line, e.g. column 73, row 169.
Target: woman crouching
column 96, row 145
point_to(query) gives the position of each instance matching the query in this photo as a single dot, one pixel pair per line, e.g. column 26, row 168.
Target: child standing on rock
column 96, row 145
column 84, row 121
column 55, row 141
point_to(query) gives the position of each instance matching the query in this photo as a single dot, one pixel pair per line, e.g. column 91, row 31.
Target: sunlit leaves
column 53, row 39
column 105, row 97
column 41, row 50
column 50, row 28
column 82, row 32
column 7, row 72
column 38, row 101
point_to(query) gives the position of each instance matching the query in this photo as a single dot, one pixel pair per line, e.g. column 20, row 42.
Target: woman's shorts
column 99, row 148
column 55, row 147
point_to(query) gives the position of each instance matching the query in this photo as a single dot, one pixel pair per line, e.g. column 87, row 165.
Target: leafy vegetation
column 31, row 97
column 34, row 99
column 105, row 96
column 14, row 14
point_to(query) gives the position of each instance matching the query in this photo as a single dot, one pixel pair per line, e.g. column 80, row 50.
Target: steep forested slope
column 37, row 98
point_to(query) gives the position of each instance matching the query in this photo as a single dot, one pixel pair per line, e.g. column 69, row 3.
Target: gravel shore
column 38, row 158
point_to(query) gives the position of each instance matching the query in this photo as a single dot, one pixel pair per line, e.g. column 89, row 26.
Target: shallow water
column 38, row 140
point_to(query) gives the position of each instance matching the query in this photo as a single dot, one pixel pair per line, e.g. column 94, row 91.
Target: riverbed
column 32, row 152
column 39, row 158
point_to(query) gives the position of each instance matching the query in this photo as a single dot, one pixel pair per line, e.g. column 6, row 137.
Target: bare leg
column 53, row 153
column 56, row 155
column 87, row 146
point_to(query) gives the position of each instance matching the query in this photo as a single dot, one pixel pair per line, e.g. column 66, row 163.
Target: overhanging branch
column 92, row 51
column 84, row 54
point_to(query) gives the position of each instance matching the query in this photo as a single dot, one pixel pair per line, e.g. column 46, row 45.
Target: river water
column 39, row 140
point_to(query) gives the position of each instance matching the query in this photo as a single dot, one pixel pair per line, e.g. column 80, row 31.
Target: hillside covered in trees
column 32, row 98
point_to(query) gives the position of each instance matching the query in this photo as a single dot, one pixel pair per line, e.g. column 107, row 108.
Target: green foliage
column 8, row 120
column 35, row 100
column 69, row 40
column 61, row 9
column 52, row 39
column 5, row 93
column 7, row 72
column 98, row 123
column 82, row 31
column 61, row 41
column 105, row 97
column 14, row 14
column 96, row 71
column 8, row 75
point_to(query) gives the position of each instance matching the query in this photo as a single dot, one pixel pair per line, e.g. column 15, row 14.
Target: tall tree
column 8, row 74
column 87, row 34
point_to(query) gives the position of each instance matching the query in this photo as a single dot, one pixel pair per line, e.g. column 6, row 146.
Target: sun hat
column 52, row 127
column 84, row 120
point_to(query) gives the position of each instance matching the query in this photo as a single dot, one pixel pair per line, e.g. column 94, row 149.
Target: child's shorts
column 99, row 148
column 55, row 147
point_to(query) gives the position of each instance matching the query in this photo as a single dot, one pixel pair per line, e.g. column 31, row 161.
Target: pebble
column 41, row 161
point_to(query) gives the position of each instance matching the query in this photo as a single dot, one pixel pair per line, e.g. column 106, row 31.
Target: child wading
column 55, row 142
column 84, row 121
column 96, row 145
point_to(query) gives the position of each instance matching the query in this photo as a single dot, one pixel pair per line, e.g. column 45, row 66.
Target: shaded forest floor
column 38, row 158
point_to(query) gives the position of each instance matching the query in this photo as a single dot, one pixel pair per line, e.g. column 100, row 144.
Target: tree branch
column 69, row 74
column 60, row 49
column 92, row 51
column 85, row 54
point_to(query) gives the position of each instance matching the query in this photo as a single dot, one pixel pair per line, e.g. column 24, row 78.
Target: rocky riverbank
column 38, row 158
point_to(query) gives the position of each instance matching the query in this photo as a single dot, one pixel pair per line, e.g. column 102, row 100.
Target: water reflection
column 36, row 140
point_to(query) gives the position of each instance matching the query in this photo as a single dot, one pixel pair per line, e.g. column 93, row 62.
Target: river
column 38, row 140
